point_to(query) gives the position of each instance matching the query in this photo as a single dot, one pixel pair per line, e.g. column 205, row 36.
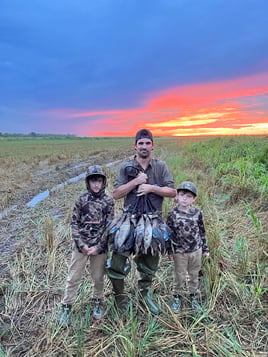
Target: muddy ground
column 18, row 220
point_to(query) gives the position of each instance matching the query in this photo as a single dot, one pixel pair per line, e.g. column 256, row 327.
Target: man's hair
column 143, row 134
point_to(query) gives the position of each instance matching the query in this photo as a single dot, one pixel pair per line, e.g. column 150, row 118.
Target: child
column 188, row 244
column 93, row 211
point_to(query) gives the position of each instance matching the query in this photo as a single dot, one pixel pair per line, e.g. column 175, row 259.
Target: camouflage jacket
column 187, row 231
column 91, row 216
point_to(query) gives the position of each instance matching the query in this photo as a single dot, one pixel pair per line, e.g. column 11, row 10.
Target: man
column 147, row 177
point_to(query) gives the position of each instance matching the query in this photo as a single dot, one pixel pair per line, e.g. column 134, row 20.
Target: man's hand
column 141, row 178
column 144, row 189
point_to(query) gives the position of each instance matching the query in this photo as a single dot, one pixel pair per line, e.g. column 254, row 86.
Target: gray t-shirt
column 157, row 172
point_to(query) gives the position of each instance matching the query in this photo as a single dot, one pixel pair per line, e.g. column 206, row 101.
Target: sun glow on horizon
column 233, row 107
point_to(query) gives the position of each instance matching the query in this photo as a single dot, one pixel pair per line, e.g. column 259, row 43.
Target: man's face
column 144, row 148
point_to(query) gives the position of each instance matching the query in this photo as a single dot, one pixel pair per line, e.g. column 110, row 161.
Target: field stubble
column 233, row 281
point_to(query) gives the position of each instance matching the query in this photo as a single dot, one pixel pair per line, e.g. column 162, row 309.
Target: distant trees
column 36, row 135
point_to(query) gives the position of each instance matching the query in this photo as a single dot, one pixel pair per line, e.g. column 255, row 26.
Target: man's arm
column 157, row 190
column 123, row 190
column 164, row 186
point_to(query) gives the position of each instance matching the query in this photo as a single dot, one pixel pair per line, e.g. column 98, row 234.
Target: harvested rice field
column 231, row 174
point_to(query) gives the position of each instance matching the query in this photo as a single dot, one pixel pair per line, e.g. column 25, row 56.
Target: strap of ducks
column 140, row 229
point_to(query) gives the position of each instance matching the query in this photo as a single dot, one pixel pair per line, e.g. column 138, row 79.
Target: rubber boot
column 117, row 268
column 119, row 295
column 65, row 317
column 148, row 302
column 147, row 266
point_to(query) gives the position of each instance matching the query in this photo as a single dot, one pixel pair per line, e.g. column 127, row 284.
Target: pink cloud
column 215, row 108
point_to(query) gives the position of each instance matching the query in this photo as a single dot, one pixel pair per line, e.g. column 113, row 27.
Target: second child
column 188, row 244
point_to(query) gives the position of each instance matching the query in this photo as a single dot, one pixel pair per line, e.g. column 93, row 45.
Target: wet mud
column 18, row 220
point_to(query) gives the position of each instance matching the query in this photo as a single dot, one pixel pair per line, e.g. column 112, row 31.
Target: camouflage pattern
column 157, row 172
column 188, row 186
column 95, row 170
column 91, row 215
column 187, row 231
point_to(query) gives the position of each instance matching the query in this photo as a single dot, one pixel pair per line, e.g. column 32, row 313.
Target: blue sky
column 105, row 68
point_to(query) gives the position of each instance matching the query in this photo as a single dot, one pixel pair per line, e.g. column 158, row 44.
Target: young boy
column 93, row 211
column 188, row 244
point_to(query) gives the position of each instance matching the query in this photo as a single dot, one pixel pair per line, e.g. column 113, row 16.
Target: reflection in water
column 38, row 198
column 45, row 194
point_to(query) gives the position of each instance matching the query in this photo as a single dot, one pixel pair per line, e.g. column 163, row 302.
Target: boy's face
column 185, row 198
column 95, row 183
column 144, row 147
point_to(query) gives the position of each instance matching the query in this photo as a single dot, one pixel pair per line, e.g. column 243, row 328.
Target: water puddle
column 45, row 194
column 38, row 198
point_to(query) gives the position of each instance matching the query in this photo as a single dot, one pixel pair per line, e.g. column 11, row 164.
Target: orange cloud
column 232, row 107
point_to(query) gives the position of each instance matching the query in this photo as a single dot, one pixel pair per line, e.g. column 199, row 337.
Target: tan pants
column 76, row 271
column 186, row 271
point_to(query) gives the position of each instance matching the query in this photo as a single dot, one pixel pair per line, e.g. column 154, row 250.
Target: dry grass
column 233, row 281
column 30, row 164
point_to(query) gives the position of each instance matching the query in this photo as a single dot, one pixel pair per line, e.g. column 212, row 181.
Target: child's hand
column 206, row 254
column 85, row 249
column 92, row 251
column 170, row 257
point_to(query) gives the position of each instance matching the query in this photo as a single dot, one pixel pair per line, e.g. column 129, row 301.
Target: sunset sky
column 111, row 67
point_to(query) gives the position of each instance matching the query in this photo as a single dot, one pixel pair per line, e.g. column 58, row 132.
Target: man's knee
column 118, row 266
column 147, row 264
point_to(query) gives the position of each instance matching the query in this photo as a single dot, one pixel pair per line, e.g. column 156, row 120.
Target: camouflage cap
column 95, row 170
column 188, row 186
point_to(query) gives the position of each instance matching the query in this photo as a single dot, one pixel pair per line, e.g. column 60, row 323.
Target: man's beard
column 143, row 154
